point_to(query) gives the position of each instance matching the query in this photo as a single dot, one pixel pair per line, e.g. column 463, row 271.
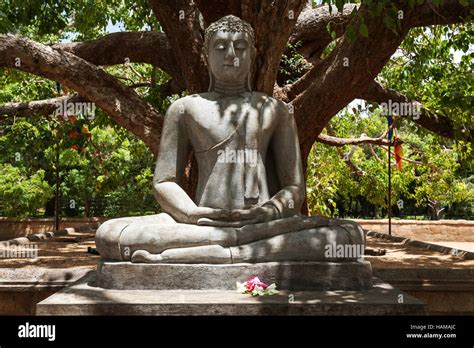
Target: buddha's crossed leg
column 119, row 239
column 291, row 239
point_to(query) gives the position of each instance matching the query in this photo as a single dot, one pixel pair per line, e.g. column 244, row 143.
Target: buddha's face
column 230, row 56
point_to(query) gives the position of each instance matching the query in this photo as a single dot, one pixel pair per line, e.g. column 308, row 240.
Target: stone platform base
column 286, row 275
column 83, row 298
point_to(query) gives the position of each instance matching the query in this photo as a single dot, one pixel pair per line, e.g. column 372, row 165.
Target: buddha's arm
column 286, row 150
column 170, row 164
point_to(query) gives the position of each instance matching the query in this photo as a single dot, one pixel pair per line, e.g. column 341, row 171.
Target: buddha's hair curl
column 228, row 23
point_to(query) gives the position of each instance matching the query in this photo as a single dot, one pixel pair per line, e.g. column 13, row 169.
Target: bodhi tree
column 343, row 46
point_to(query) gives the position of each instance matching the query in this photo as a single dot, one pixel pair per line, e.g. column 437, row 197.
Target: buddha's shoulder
column 201, row 100
column 271, row 101
column 183, row 101
column 184, row 106
column 210, row 97
column 274, row 105
column 192, row 102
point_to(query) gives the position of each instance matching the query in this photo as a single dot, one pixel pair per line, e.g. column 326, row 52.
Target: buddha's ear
column 253, row 55
column 205, row 57
column 211, row 81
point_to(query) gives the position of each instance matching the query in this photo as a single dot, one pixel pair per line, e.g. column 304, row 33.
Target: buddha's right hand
column 242, row 217
column 198, row 213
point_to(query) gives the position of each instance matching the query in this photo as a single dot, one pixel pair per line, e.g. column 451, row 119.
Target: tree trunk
column 435, row 210
column 345, row 73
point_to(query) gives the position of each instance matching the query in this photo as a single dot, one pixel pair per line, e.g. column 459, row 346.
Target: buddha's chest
column 234, row 121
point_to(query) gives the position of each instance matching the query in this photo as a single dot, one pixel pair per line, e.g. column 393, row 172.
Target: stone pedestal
column 305, row 288
column 286, row 275
column 85, row 298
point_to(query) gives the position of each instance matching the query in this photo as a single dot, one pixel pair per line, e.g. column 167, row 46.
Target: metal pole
column 389, row 194
column 57, row 205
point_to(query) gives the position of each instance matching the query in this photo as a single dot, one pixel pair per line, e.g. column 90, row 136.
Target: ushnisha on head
column 229, row 51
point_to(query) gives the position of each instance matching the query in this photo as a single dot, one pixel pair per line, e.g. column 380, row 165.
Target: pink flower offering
column 255, row 287
column 252, row 282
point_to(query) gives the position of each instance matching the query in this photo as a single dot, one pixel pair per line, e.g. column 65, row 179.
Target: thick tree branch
column 273, row 22
column 180, row 21
column 289, row 92
column 311, row 28
column 351, row 66
column 122, row 103
column 116, row 48
column 335, row 141
column 37, row 107
column 128, row 47
column 311, row 31
column 439, row 124
column 449, row 12
column 47, row 107
column 212, row 10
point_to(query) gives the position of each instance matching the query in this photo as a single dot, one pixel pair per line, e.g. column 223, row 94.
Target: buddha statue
column 250, row 184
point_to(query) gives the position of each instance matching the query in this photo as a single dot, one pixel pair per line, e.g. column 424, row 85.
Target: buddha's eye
column 240, row 46
column 220, row 46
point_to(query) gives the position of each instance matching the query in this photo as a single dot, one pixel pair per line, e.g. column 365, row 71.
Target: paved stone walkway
column 468, row 246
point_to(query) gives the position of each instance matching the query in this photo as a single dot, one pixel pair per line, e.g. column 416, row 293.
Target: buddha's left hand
column 242, row 217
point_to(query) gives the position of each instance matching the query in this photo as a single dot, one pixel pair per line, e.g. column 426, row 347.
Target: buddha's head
column 229, row 51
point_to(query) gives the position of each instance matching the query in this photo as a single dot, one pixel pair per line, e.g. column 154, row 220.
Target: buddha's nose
column 230, row 52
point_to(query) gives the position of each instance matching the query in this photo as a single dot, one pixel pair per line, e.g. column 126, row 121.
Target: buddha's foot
column 200, row 254
column 143, row 256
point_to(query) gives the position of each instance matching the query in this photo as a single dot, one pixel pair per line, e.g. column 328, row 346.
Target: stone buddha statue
column 250, row 187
